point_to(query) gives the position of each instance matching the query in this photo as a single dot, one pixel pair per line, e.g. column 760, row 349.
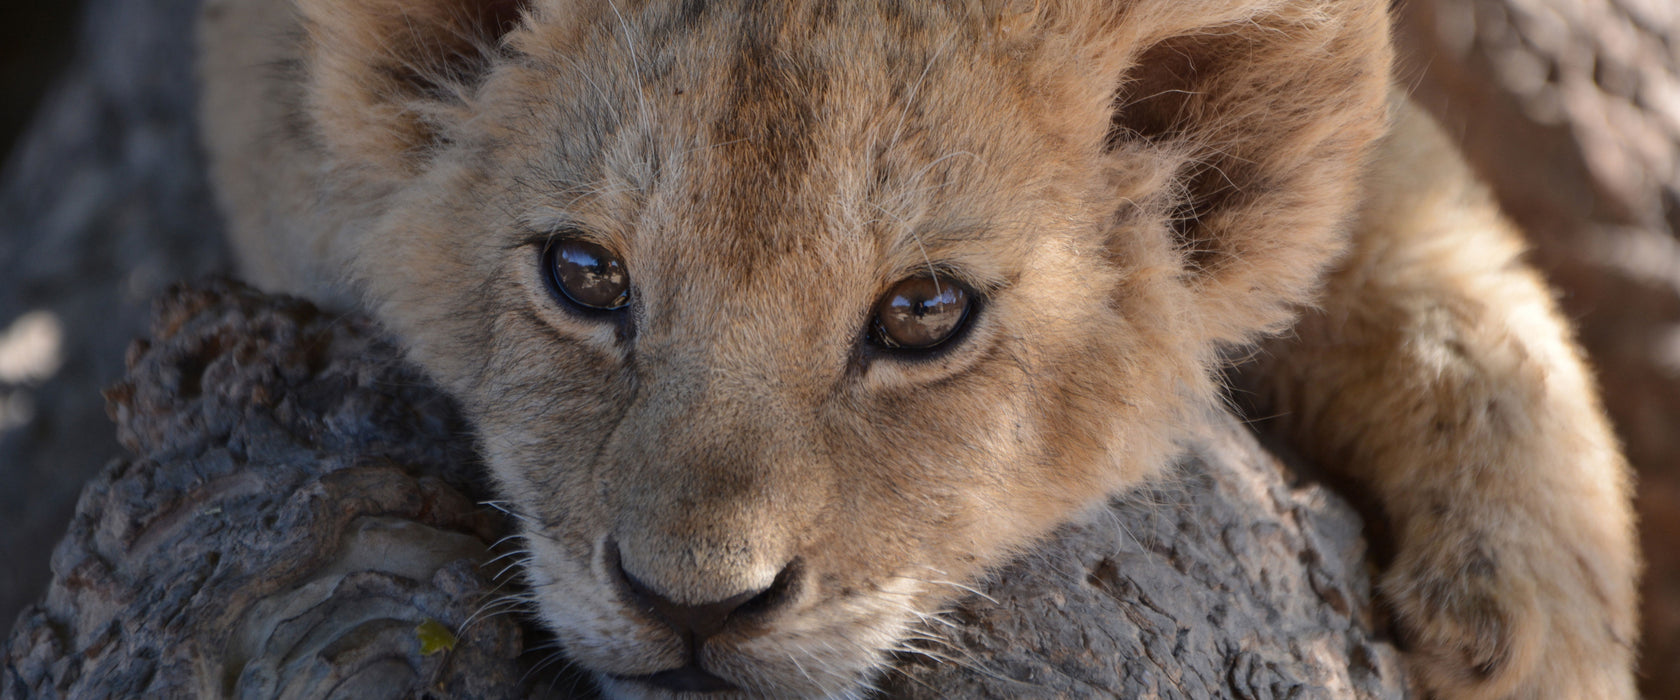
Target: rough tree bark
column 300, row 516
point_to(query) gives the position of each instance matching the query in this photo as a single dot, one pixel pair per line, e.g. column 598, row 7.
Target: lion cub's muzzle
column 742, row 613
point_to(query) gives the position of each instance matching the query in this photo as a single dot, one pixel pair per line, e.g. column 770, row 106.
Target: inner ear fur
column 387, row 78
column 1265, row 117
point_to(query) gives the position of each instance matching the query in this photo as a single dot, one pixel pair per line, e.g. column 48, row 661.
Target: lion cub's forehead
column 861, row 135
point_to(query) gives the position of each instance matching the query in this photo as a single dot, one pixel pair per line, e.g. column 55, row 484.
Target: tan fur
column 1135, row 188
column 1439, row 374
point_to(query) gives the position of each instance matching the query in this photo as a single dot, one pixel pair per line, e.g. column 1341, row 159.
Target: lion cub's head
column 781, row 321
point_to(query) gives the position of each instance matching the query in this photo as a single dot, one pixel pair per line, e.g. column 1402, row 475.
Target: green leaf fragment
column 434, row 637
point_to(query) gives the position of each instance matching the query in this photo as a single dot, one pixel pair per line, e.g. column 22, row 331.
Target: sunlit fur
column 1135, row 188
column 1441, row 375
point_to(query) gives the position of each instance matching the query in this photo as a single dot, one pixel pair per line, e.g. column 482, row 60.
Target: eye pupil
column 920, row 313
column 588, row 274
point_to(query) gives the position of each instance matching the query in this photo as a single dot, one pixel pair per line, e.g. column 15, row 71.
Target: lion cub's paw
column 1473, row 627
column 1486, row 619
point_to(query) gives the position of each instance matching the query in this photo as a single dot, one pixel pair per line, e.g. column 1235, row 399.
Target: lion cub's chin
column 810, row 644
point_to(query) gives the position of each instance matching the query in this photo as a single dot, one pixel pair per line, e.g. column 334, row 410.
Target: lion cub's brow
column 848, row 153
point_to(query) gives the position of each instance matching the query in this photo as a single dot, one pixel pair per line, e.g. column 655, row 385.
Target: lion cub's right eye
column 920, row 313
column 586, row 275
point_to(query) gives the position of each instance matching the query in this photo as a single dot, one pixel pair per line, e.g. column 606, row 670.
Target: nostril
column 781, row 592
column 698, row 621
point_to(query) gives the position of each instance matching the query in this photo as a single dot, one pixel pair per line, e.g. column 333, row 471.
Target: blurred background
column 102, row 204
column 1569, row 108
column 35, row 43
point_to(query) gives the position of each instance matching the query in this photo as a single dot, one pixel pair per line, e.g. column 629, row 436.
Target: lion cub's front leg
column 1439, row 376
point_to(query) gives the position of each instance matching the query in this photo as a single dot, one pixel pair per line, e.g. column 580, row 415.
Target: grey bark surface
column 297, row 504
column 295, row 509
column 1223, row 582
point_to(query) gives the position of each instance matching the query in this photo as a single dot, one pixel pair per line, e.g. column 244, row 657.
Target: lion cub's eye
column 587, row 274
column 919, row 313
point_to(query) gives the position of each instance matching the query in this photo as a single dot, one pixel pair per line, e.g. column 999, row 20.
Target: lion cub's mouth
column 687, row 679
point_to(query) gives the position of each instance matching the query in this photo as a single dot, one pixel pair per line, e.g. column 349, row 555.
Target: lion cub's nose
column 698, row 622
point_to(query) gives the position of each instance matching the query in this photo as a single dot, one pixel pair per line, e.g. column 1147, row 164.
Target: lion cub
column 780, row 320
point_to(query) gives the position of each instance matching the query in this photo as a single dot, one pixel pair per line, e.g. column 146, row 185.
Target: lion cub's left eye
column 587, row 275
column 919, row 313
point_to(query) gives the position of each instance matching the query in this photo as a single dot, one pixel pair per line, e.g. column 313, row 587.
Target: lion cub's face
column 780, row 323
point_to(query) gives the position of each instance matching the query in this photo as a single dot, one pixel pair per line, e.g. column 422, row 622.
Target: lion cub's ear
column 1264, row 111
column 386, row 79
